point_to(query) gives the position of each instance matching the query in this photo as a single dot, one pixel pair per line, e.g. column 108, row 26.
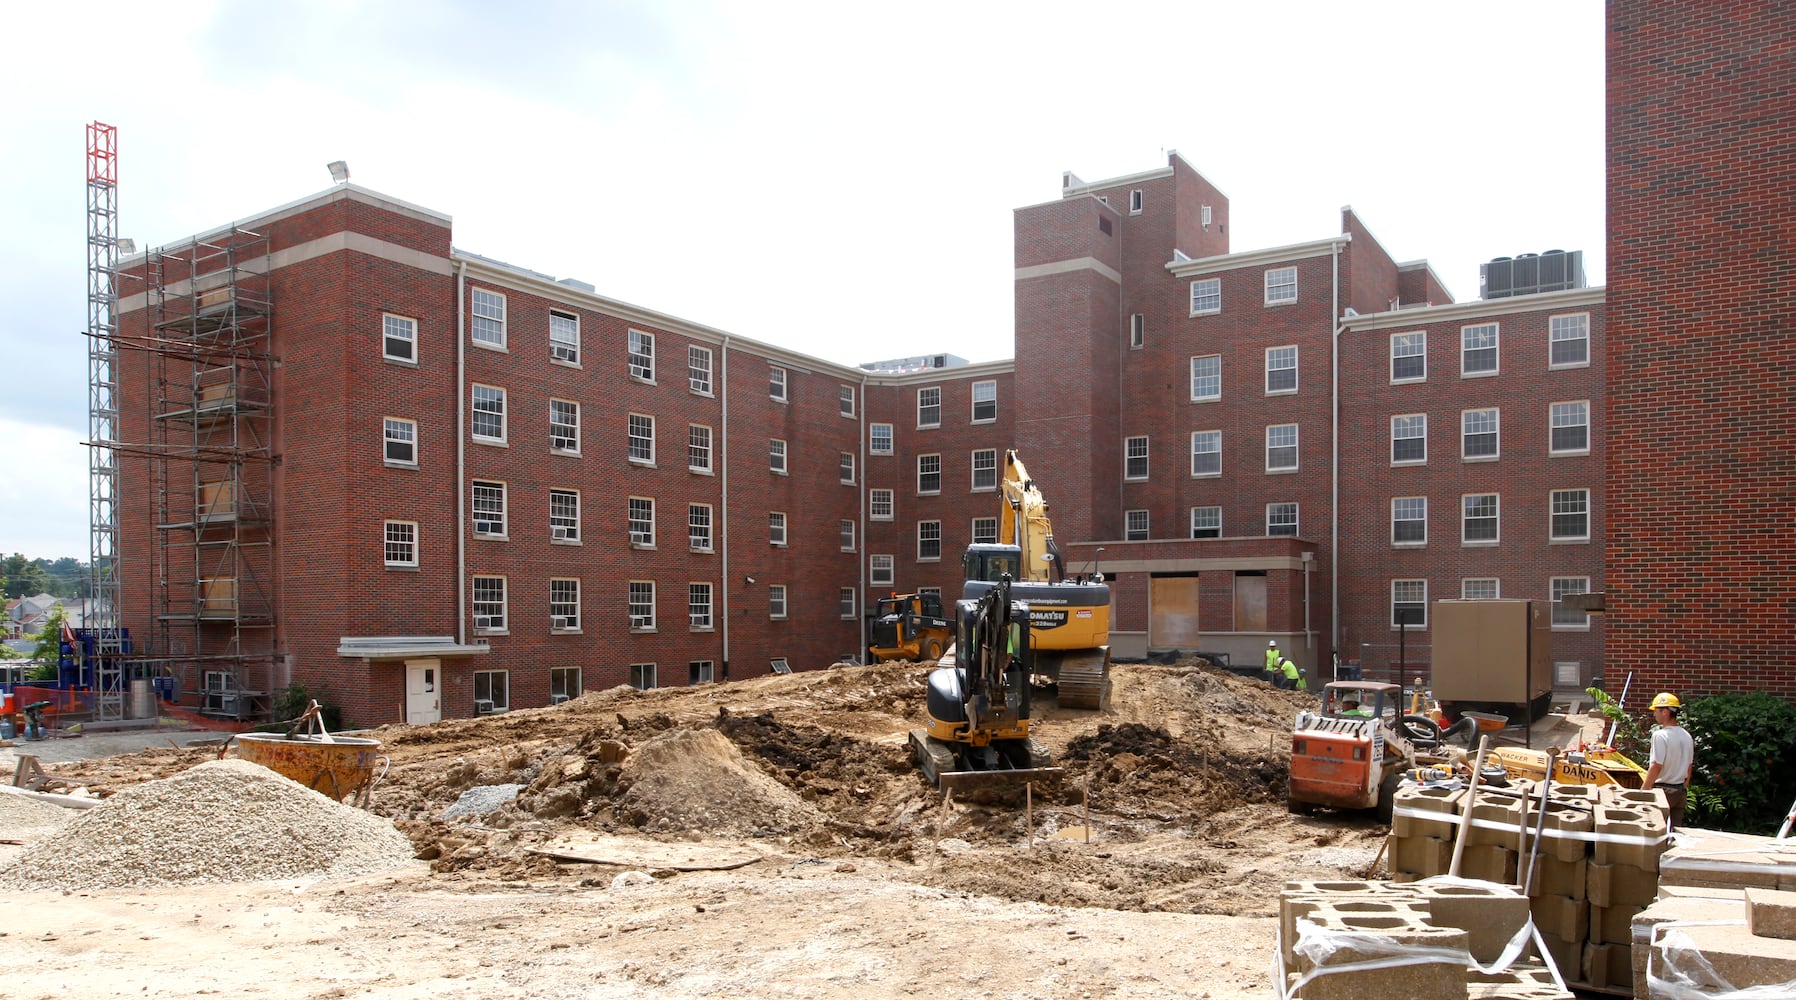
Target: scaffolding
column 100, row 619
column 211, row 458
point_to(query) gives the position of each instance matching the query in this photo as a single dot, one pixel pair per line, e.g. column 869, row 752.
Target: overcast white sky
column 836, row 178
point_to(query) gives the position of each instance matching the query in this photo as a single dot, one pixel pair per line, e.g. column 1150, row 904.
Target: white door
column 423, row 704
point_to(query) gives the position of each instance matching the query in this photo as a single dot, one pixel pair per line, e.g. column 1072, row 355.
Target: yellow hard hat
column 1665, row 699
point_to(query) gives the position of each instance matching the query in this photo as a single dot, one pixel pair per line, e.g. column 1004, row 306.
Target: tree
column 24, row 578
column 48, row 652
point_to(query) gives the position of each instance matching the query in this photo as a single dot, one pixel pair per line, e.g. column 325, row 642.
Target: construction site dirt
column 768, row 837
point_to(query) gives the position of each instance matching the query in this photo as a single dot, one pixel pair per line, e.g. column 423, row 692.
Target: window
column 564, row 516
column 1135, row 526
column 1571, row 515
column 879, row 439
column 1206, row 378
column 779, row 665
column 488, row 319
column 985, row 469
column 401, row 440
column 1206, row 522
column 1478, row 349
column 845, row 467
column 1281, row 448
column 1409, row 439
column 698, row 526
column 1479, row 589
column 1281, row 519
column 1409, row 603
column 776, row 600
column 564, row 604
column 1206, row 453
column 1564, row 617
column 699, row 672
column 1281, row 285
column 1478, row 434
column 564, row 684
column 1135, row 457
column 492, row 691
column 929, row 407
column 926, row 591
column 776, row 383
column 489, row 413
column 564, row 426
column 1409, row 521
column 880, row 570
column 642, row 605
column 1137, row 330
column 1569, row 338
column 1478, row 520
column 845, row 534
column 1409, row 356
column 776, row 455
column 879, row 505
column 1135, row 202
column 1571, row 428
column 698, row 448
column 985, row 402
column 698, row 606
column 642, row 355
column 847, row 604
column 929, row 541
column 642, row 676
column 398, row 338
column 698, row 369
column 489, row 604
column 929, row 474
column 642, row 522
column 642, row 439
column 1281, row 369
column 564, row 338
column 402, row 543
column 776, row 528
column 985, row 530
column 489, row 509
column 1206, row 296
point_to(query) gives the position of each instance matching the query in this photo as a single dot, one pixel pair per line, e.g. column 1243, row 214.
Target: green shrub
column 1630, row 738
column 1745, row 746
column 292, row 701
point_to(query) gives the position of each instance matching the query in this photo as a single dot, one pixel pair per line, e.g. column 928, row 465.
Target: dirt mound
column 696, row 781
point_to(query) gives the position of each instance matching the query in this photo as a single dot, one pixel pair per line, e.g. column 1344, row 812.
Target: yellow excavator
column 1069, row 618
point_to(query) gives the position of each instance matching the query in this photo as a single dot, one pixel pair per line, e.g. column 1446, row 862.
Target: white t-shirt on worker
column 1673, row 751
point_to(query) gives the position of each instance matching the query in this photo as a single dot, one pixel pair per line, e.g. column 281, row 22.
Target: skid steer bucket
column 962, row 781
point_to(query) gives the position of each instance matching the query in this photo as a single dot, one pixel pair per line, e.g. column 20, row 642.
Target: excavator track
column 1083, row 677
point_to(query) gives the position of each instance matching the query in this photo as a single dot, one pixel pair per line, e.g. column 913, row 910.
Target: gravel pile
column 222, row 821
column 22, row 814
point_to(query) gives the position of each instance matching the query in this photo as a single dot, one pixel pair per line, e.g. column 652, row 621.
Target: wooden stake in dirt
column 1029, row 813
column 1085, row 800
column 1465, row 817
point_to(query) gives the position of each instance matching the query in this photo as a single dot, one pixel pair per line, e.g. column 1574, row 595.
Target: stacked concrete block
column 1677, row 905
column 1491, row 915
column 1609, row 966
column 1705, row 858
column 1771, row 913
column 1515, row 983
column 1337, row 941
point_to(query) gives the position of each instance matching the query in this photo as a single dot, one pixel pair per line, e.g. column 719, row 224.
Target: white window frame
column 700, row 672
column 879, row 439
column 564, row 684
column 881, row 505
column 496, row 685
column 985, row 477
column 564, row 605
column 1553, row 513
column 698, row 449
column 1466, row 335
column 845, row 468
column 988, row 389
column 929, row 407
column 1402, row 341
column 639, row 353
column 1408, row 584
column 700, row 607
column 399, row 541
column 1403, row 428
column 845, row 400
column 848, row 603
column 881, row 570
column 929, row 474
column 1196, row 526
column 1404, row 511
column 491, row 493
column 1554, row 423
column 486, row 319
column 1206, row 296
column 1136, row 458
column 698, row 370
column 498, row 616
column 563, row 349
column 567, row 440
column 639, row 605
column 700, row 527
column 640, row 538
column 492, row 406
column 1569, row 328
column 1465, row 433
column 777, row 530
column 1275, row 356
column 1200, row 379
column 776, row 601
column 399, row 430
column 1472, row 588
column 1296, row 519
column 395, row 328
column 1276, row 431
column 642, row 677
column 1137, row 331
column 1466, row 519
column 845, row 534
column 1135, row 201
column 928, row 532
column 1281, row 286
column 777, row 388
column 635, row 425
column 1557, row 597
column 985, row 530
column 776, row 456
column 1136, row 525
column 1206, row 438
column 564, row 517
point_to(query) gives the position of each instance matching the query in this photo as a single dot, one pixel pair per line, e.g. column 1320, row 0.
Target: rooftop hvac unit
column 1497, row 278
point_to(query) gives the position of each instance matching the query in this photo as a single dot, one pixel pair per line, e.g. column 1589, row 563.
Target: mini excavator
column 978, row 701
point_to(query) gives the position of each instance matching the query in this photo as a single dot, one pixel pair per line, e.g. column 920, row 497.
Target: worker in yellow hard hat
column 1673, row 755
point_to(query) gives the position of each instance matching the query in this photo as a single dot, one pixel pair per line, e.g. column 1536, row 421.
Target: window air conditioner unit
column 483, row 621
column 562, row 621
column 639, row 538
column 227, row 703
column 556, row 699
column 483, row 706
column 561, row 533
column 487, row 527
column 642, row 621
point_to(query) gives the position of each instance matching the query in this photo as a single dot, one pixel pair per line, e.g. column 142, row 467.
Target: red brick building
column 1702, row 362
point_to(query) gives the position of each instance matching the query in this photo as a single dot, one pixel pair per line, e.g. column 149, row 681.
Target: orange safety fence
column 78, row 704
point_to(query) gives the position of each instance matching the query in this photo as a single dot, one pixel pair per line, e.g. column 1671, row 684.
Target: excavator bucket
column 963, row 781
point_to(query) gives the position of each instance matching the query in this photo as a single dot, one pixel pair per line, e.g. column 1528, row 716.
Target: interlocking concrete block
column 1305, row 899
column 1637, row 798
column 1771, row 913
column 1328, row 941
column 1568, row 956
column 1420, row 856
column 1609, row 965
column 1565, row 831
column 1488, row 862
column 1727, row 860
column 1496, row 820
column 1489, row 914
column 1563, row 917
column 1440, row 808
column 1621, row 885
column 1629, row 836
column 1613, row 924
column 1584, row 795
column 1680, row 904
column 1734, row 954
column 1522, row 981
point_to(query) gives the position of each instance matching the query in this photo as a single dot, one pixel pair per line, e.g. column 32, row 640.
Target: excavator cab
column 986, row 562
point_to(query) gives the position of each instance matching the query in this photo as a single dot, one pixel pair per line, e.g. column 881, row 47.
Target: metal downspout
column 461, row 456
column 860, row 557
column 1334, row 474
column 723, row 504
